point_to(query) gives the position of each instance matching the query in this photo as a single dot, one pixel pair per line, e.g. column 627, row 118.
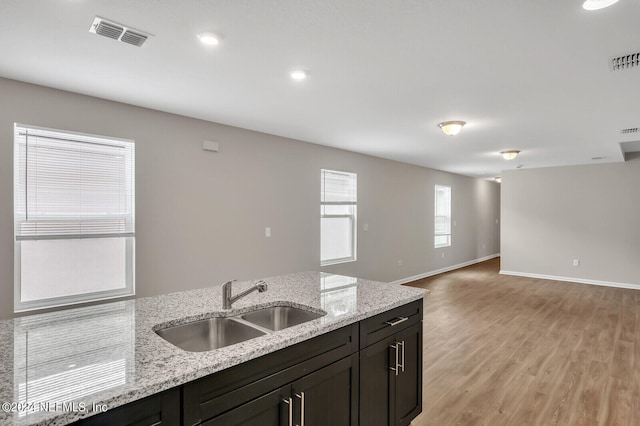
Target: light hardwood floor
column 501, row 350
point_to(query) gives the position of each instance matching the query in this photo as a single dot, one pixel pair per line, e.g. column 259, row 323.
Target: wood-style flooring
column 502, row 350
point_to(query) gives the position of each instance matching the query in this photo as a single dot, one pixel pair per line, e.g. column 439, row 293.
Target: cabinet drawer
column 387, row 323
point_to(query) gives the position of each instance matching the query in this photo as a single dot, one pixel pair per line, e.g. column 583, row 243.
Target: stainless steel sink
column 278, row 317
column 209, row 334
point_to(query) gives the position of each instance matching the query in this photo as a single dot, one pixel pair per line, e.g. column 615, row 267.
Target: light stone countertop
column 62, row 363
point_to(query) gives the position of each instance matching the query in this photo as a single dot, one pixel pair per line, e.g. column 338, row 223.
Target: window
column 442, row 225
column 338, row 200
column 74, row 218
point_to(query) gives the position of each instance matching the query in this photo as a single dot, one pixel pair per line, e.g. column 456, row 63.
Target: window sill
column 337, row 261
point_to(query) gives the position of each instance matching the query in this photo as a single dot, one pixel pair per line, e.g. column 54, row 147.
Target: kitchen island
column 60, row 367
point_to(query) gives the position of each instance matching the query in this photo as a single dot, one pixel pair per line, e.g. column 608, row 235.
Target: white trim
column 572, row 280
column 79, row 134
column 447, row 269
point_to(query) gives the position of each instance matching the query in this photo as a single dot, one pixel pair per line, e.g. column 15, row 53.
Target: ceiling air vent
column 133, row 38
column 629, row 130
column 625, row 62
column 118, row 32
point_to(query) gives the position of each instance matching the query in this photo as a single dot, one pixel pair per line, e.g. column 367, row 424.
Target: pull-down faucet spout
column 228, row 299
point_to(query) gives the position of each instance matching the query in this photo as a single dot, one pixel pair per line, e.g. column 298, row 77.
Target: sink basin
column 278, row 317
column 209, row 334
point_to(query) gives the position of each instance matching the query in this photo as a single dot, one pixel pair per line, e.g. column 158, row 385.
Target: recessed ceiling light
column 510, row 155
column 209, row 38
column 598, row 4
column 451, row 128
column 597, row 158
column 498, row 179
column 299, row 74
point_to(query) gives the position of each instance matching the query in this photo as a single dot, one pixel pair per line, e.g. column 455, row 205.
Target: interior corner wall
column 591, row 213
column 201, row 216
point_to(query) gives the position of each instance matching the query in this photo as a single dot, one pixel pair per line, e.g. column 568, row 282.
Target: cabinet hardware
column 301, row 396
column 396, row 351
column 402, row 345
column 396, row 321
column 289, row 402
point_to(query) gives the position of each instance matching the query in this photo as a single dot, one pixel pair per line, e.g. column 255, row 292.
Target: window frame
column 129, row 237
column 353, row 219
column 437, row 234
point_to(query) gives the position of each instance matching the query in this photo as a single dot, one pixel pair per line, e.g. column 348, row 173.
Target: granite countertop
column 59, row 367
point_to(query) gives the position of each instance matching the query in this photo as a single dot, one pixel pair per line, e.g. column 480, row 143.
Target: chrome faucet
column 227, row 299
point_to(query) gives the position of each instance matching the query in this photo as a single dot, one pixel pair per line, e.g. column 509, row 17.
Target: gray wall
column 200, row 216
column 554, row 215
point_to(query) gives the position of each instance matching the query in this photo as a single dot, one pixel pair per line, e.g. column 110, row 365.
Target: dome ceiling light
column 451, row 128
column 510, row 155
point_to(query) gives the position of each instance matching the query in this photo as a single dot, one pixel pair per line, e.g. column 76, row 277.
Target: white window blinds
column 74, row 218
column 338, row 188
column 72, row 185
column 442, row 214
column 338, row 204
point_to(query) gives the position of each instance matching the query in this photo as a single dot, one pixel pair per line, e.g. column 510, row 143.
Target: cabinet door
column 408, row 383
column 272, row 409
column 388, row 397
column 329, row 396
column 375, row 383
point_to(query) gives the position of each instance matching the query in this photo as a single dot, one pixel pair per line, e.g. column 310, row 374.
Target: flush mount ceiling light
column 510, row 155
column 451, row 128
column 299, row 74
column 598, row 4
column 209, row 38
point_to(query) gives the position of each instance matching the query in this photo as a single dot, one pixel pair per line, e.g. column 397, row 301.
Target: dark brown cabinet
column 368, row 373
column 313, row 380
column 325, row 397
column 328, row 396
column 271, row 409
column 391, row 367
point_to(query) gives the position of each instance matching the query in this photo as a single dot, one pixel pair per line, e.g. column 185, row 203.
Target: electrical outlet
column 267, row 232
column 576, row 262
column 400, row 263
column 443, row 255
column 365, row 227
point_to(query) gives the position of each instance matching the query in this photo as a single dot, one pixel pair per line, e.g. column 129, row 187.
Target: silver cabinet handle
column 402, row 345
column 301, row 396
column 396, row 351
column 289, row 402
column 396, row 321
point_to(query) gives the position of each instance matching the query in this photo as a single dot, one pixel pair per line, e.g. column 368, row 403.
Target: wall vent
column 629, row 130
column 625, row 62
column 119, row 32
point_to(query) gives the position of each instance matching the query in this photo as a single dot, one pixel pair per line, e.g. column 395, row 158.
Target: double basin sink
column 217, row 332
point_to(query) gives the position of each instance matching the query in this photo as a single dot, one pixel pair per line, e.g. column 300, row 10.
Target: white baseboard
column 572, row 280
column 447, row 269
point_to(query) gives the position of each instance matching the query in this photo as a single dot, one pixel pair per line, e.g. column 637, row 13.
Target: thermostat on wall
column 210, row 146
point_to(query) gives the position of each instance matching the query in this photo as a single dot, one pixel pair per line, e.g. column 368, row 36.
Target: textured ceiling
column 527, row 75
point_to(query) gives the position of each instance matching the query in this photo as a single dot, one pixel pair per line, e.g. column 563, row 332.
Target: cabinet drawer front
column 388, row 323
